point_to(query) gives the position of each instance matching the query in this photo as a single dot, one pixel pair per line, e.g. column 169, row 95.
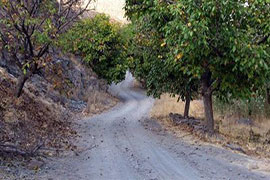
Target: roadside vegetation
column 55, row 66
column 101, row 44
column 214, row 56
column 201, row 49
column 236, row 129
column 29, row 29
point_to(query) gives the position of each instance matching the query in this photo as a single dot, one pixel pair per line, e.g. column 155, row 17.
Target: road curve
column 124, row 144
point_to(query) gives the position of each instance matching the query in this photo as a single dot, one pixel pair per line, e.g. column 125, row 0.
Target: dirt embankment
column 42, row 118
column 40, row 122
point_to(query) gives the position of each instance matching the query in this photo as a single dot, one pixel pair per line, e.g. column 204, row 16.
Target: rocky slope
column 40, row 121
column 42, row 118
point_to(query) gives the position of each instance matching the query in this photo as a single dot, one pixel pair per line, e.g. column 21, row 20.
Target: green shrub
column 101, row 44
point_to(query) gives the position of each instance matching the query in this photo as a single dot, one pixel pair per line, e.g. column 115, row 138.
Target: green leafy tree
column 217, row 40
column 29, row 28
column 148, row 62
column 261, row 25
column 101, row 44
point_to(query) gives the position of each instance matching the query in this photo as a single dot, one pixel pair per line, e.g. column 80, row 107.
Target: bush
column 102, row 45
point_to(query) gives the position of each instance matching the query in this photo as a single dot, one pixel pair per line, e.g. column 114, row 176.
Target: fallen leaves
column 27, row 121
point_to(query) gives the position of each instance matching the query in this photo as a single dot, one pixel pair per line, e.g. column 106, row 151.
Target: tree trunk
column 268, row 96
column 23, row 78
column 267, row 102
column 187, row 105
column 208, row 112
column 207, row 101
column 20, row 84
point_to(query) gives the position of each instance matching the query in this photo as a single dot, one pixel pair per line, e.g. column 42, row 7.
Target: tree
column 261, row 25
column 29, row 28
column 217, row 42
column 148, row 63
column 101, row 44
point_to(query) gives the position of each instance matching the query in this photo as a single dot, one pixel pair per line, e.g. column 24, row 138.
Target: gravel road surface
column 125, row 144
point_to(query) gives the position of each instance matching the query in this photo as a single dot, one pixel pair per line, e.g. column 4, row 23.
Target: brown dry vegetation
column 41, row 122
column 99, row 102
column 43, row 115
column 167, row 104
column 30, row 122
column 253, row 138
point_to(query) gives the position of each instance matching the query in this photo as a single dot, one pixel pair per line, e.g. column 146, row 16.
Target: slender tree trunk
column 187, row 106
column 208, row 111
column 23, row 78
column 267, row 102
column 20, row 84
column 268, row 96
column 207, row 101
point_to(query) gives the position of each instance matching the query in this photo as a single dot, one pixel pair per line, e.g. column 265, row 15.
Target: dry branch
column 9, row 148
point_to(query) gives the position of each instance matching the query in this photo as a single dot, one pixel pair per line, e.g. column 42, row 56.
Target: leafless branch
column 7, row 148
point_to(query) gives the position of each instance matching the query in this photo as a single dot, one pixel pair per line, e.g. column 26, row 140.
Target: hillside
column 43, row 118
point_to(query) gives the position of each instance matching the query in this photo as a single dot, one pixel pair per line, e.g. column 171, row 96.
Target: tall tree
column 216, row 40
column 148, row 63
column 29, row 27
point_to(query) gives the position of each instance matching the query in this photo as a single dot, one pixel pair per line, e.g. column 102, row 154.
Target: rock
column 10, row 66
column 178, row 119
column 35, row 164
column 76, row 106
column 235, row 147
column 11, row 116
column 245, row 121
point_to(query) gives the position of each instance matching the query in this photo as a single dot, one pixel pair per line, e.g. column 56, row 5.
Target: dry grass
column 99, row 102
column 253, row 138
column 167, row 104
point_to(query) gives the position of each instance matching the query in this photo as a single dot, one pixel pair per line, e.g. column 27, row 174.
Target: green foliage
column 28, row 28
column 148, row 61
column 18, row 22
column 216, row 42
column 101, row 44
column 211, row 35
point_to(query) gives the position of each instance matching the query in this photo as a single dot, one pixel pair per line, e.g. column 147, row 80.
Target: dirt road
column 124, row 144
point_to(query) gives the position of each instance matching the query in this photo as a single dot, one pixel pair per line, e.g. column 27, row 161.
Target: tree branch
column 264, row 39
